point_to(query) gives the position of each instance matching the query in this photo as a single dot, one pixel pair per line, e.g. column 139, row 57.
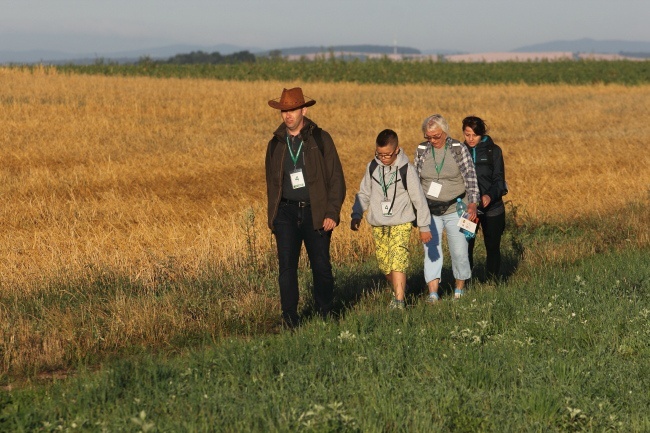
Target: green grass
column 391, row 72
column 561, row 348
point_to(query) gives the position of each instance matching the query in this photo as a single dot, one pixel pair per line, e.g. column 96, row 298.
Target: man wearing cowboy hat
column 306, row 189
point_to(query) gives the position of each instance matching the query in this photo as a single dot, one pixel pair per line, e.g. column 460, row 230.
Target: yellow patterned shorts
column 392, row 247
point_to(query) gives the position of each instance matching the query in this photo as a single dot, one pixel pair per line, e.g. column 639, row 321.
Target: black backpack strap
column 456, row 148
column 273, row 144
column 373, row 165
column 317, row 133
column 403, row 171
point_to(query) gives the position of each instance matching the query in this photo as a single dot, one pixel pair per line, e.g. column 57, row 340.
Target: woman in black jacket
column 488, row 160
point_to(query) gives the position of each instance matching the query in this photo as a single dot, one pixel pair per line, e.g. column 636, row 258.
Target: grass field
column 385, row 71
column 133, row 222
column 562, row 349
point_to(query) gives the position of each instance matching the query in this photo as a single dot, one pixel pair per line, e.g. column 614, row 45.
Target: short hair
column 476, row 124
column 386, row 137
column 435, row 121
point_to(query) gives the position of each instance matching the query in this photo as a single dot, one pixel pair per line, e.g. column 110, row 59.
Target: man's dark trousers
column 292, row 226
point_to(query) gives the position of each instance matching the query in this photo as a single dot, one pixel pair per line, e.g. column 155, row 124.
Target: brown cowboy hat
column 291, row 99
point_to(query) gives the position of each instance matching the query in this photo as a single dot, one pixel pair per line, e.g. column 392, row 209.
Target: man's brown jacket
column 323, row 174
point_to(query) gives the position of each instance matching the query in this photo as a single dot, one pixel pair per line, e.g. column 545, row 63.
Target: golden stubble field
column 145, row 177
column 153, row 182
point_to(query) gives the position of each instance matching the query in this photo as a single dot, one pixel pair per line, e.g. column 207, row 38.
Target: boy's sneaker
column 397, row 305
column 432, row 298
column 458, row 293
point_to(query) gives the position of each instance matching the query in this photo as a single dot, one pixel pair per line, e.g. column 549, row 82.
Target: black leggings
column 493, row 227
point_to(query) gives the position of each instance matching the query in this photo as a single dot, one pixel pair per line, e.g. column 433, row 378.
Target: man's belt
column 295, row 202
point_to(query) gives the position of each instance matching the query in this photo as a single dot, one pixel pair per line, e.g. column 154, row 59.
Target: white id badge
column 385, row 208
column 466, row 224
column 297, row 179
column 434, row 189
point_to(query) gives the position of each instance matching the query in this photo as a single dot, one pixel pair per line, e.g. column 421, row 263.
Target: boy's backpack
column 403, row 170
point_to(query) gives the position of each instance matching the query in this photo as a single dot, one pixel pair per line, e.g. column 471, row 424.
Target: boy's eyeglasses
column 387, row 155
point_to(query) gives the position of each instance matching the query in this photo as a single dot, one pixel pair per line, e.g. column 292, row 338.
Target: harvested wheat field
column 145, row 176
column 124, row 199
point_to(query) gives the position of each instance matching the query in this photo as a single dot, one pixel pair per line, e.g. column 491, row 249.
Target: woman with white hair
column 446, row 173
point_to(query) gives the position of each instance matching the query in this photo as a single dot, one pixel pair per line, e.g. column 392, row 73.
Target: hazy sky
column 464, row 25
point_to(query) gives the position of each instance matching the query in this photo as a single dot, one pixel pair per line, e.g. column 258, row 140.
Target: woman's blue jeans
column 457, row 248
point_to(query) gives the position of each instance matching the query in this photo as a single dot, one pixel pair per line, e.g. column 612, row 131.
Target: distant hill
column 631, row 48
column 171, row 50
column 32, row 56
column 369, row 49
column 588, row 46
column 164, row 52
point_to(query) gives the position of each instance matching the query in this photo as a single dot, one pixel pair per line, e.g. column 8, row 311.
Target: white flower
column 346, row 336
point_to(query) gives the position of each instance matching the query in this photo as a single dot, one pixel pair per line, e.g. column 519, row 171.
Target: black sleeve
column 498, row 182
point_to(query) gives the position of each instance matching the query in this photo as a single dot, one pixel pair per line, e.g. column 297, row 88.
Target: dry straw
column 159, row 179
column 137, row 174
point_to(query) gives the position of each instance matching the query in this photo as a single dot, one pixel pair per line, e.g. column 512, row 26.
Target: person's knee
column 321, row 265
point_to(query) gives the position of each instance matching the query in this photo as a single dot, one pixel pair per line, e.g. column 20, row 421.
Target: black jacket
column 490, row 171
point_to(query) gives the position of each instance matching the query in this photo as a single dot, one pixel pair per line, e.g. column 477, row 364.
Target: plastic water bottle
column 461, row 208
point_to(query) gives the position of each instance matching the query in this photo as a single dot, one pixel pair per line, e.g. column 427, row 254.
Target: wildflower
column 346, row 336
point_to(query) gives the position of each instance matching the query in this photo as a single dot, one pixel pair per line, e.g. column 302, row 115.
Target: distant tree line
column 216, row 58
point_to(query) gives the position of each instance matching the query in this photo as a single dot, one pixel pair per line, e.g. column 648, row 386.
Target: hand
column 329, row 224
column 355, row 223
column 485, row 201
column 425, row 237
column 471, row 211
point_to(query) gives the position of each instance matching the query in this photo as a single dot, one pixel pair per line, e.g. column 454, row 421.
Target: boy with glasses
column 391, row 193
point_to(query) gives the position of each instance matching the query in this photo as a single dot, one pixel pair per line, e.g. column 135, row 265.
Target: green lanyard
column 382, row 181
column 294, row 158
column 439, row 167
